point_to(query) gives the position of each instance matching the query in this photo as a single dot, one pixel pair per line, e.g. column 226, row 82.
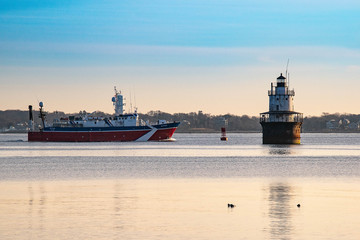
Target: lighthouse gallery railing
column 281, row 117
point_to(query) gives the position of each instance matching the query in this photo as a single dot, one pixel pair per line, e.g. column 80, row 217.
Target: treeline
column 200, row 122
column 10, row 118
column 325, row 123
column 196, row 121
column 203, row 122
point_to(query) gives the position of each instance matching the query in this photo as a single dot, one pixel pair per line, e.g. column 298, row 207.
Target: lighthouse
column 281, row 124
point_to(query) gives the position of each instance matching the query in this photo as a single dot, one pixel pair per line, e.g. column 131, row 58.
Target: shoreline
column 212, row 131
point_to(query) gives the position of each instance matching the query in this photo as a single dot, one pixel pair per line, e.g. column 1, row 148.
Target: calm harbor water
column 180, row 190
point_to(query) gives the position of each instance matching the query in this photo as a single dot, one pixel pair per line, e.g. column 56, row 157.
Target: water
column 180, row 190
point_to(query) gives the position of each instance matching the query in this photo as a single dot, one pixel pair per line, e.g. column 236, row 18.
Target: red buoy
column 223, row 134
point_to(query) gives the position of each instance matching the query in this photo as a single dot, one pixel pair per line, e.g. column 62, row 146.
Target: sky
column 179, row 56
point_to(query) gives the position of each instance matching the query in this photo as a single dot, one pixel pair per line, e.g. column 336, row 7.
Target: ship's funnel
column 31, row 119
column 30, row 113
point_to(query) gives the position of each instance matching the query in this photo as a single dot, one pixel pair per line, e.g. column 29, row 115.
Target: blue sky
column 183, row 23
column 178, row 56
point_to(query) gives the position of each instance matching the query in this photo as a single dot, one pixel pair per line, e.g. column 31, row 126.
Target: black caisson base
column 281, row 132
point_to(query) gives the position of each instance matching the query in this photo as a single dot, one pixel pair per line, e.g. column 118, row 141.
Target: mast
column 287, row 75
column 42, row 114
column 118, row 102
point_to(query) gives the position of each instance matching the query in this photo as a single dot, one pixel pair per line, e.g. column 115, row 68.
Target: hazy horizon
column 36, row 108
column 179, row 56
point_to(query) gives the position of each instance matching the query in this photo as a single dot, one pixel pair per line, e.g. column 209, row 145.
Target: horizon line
column 211, row 114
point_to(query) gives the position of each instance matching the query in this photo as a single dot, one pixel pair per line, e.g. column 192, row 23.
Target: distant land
column 197, row 122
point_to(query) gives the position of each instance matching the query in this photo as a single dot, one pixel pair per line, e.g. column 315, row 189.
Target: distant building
column 221, row 122
column 354, row 126
column 343, row 124
column 332, row 124
column 19, row 127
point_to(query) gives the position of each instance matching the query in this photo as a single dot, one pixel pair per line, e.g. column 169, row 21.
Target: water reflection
column 180, row 209
column 279, row 198
column 42, row 208
column 36, row 207
column 118, row 208
column 30, row 206
column 282, row 149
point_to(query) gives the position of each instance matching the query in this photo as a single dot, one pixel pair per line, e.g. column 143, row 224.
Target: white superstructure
column 118, row 102
column 120, row 119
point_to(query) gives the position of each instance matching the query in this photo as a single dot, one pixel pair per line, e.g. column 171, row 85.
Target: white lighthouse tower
column 281, row 124
column 281, row 99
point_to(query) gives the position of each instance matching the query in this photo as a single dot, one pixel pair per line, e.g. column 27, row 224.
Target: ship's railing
column 281, row 117
column 287, row 92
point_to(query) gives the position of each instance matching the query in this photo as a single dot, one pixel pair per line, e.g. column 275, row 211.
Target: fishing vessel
column 86, row 128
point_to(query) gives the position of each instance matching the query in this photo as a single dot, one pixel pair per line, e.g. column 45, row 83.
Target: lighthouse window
column 277, row 98
column 277, row 107
column 286, row 98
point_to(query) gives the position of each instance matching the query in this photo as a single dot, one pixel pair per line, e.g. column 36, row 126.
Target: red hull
column 114, row 136
column 162, row 134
